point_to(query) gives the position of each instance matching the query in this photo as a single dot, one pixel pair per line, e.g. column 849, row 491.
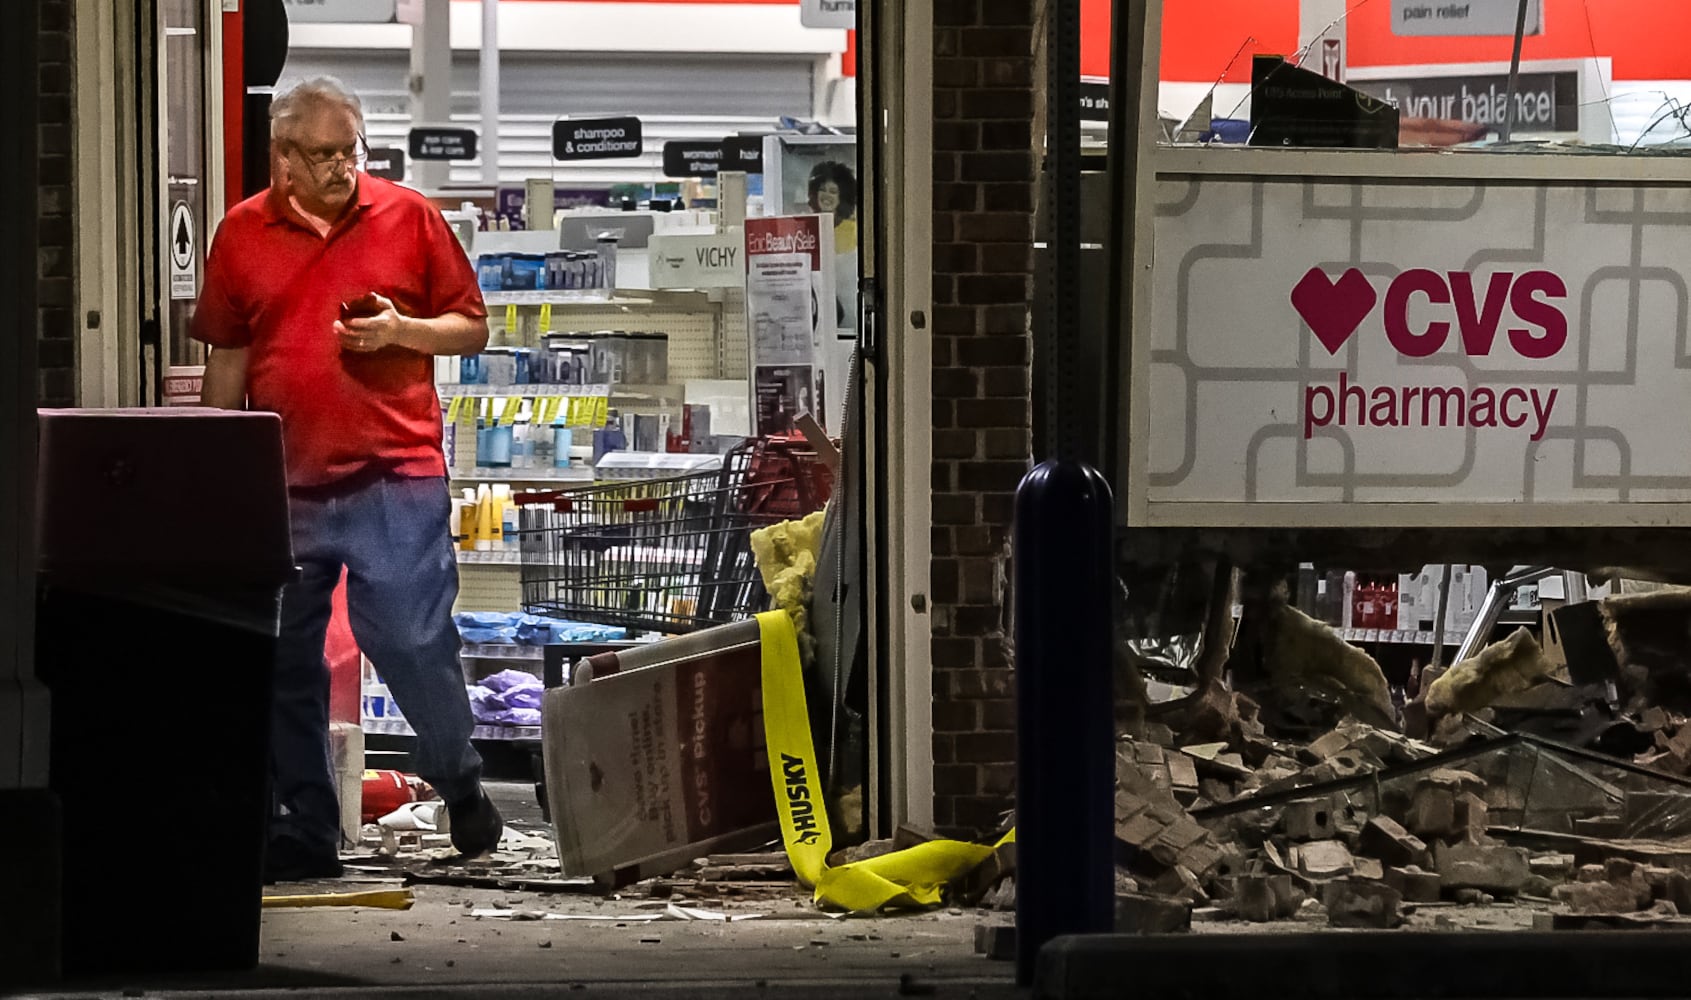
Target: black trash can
column 164, row 547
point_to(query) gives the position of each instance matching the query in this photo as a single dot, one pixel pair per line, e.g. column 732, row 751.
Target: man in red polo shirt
column 362, row 432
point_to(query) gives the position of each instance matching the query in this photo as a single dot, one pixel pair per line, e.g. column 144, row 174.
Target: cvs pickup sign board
column 1311, row 347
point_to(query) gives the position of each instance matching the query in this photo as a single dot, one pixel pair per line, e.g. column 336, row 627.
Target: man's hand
column 366, row 336
column 451, row 333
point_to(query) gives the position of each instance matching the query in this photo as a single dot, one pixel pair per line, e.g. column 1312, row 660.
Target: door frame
column 895, row 98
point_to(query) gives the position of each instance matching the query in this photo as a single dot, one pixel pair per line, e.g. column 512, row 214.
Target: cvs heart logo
column 1333, row 309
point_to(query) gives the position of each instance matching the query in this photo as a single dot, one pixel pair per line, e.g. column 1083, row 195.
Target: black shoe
column 290, row 860
column 476, row 824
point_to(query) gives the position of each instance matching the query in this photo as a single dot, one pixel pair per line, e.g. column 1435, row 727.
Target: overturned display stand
column 1408, row 356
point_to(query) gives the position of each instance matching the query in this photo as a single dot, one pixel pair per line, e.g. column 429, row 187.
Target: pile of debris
column 1361, row 827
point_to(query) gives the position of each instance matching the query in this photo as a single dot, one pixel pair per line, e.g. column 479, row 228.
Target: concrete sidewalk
column 439, row 949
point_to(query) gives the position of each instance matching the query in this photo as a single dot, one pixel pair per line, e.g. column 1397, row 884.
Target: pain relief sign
column 1453, row 343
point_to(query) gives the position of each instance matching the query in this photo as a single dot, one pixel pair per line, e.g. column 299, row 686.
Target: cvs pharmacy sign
column 1423, row 312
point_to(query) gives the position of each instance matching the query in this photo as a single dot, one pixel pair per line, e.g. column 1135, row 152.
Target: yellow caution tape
column 512, row 406
column 552, row 406
column 387, row 899
column 914, row 877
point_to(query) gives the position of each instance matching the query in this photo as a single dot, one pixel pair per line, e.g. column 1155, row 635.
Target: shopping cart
column 668, row 555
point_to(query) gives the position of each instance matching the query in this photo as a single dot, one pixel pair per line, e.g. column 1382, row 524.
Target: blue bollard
column 1065, row 739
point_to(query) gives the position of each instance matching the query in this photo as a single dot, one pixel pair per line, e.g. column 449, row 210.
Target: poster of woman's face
column 818, row 175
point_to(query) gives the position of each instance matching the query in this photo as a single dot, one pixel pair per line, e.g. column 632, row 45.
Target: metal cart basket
column 670, row 555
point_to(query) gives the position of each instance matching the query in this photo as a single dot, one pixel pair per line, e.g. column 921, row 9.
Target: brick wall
column 56, row 321
column 984, row 99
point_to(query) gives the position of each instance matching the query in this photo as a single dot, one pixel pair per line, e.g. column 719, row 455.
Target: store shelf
column 573, row 474
column 505, row 557
column 1399, row 637
column 531, row 390
column 502, row 651
column 600, row 298
column 550, row 296
column 399, row 727
column 654, row 461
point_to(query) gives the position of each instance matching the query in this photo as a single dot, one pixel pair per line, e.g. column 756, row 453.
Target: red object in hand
column 363, row 307
column 384, row 791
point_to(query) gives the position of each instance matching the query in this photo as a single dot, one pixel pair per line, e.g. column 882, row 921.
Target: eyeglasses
column 356, row 155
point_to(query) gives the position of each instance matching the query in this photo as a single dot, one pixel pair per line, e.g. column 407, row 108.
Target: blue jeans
column 402, row 577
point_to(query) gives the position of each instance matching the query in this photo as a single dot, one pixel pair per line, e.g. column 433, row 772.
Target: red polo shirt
column 274, row 285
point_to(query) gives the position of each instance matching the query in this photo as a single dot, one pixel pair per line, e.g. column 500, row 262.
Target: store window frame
column 1148, row 161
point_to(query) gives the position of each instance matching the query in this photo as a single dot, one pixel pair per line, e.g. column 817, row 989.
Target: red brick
column 957, row 198
column 992, row 413
column 1010, row 12
column 982, row 683
column 944, row 413
column 945, row 103
column 54, row 262
column 976, row 477
column 957, row 779
column 942, row 475
column 954, row 509
column 945, row 226
column 54, row 17
column 955, row 258
column 1006, row 319
column 982, row 815
column 991, row 289
column 943, row 582
column 56, row 169
column 957, row 136
column 1005, row 135
column 999, row 714
column 53, row 292
column 992, row 351
column 996, row 656
column 944, row 353
column 1007, row 382
column 945, row 166
column 995, row 227
column 1004, row 443
column 945, row 813
column 989, row 42
column 999, row 166
column 997, row 779
column 951, row 320
column 957, row 13
column 999, row 509
column 943, row 288
column 996, row 103
column 955, row 716
column 973, row 621
column 956, row 383
column 1006, row 258
column 945, row 42
column 1007, row 73
column 955, row 444
column 58, row 353
column 1011, row 196
column 979, row 580
column 945, row 748
column 957, row 74
column 986, row 748
column 973, row 541
column 939, row 541
column 954, row 654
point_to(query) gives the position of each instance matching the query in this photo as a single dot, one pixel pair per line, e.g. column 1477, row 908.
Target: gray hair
column 292, row 104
